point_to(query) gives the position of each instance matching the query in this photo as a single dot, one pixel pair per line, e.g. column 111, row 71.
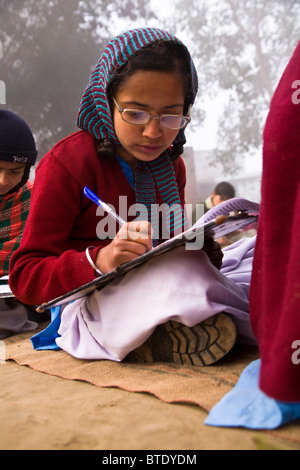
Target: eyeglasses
column 141, row 118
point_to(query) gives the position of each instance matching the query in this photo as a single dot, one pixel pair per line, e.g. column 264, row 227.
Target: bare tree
column 47, row 51
column 241, row 48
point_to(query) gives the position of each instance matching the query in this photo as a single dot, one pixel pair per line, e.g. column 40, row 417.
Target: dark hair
column 25, row 176
column 225, row 189
column 164, row 56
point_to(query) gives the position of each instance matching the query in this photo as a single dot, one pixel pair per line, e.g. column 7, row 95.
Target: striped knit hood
column 95, row 117
column 94, row 113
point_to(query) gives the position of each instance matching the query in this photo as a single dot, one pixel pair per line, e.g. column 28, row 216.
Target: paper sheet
column 4, row 287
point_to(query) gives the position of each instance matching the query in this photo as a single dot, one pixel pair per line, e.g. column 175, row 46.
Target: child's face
column 217, row 199
column 157, row 93
column 11, row 175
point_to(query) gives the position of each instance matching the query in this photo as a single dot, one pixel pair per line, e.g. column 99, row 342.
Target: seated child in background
column 222, row 192
column 17, row 155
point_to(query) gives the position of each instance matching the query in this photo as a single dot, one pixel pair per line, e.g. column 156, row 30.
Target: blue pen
column 89, row 194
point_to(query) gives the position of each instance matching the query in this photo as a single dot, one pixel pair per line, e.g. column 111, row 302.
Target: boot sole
column 201, row 345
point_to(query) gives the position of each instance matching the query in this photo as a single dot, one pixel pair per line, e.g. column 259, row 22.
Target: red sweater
column 62, row 222
column 275, row 288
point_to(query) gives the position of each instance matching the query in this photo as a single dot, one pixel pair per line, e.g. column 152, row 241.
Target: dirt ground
column 42, row 412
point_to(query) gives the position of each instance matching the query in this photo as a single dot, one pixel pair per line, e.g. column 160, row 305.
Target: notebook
column 231, row 215
column 5, row 292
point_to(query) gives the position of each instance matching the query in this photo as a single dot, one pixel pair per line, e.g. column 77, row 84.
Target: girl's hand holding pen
column 132, row 240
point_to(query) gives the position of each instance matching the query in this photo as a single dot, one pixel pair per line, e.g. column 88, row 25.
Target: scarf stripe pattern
column 14, row 209
column 159, row 174
column 95, row 116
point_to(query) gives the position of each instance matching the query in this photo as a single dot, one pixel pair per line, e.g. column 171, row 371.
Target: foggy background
column 48, row 49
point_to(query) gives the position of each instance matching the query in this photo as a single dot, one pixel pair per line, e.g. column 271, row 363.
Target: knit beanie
column 17, row 143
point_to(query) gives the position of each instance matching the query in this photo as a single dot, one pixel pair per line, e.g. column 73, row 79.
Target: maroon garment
column 62, row 222
column 275, row 289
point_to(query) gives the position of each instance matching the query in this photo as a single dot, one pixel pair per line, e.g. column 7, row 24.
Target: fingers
column 127, row 247
column 138, row 232
column 132, row 241
column 135, row 230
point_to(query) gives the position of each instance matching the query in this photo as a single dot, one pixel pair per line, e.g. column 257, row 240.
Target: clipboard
column 225, row 218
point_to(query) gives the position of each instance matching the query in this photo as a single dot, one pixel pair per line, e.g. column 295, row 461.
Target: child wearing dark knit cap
column 17, row 155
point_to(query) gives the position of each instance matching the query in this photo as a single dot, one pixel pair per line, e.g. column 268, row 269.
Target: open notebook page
column 4, row 287
column 226, row 207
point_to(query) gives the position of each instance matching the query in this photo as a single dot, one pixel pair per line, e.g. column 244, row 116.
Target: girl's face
column 11, row 175
column 157, row 93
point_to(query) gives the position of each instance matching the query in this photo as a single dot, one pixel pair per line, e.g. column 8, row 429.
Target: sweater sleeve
column 51, row 260
column 44, row 267
column 275, row 285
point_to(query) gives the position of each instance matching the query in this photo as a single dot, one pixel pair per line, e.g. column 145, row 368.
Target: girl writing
column 132, row 119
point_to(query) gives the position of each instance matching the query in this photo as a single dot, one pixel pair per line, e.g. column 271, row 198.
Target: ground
column 42, row 412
